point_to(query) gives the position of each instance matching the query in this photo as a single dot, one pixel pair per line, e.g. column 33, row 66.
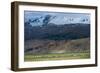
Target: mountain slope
column 58, row 46
column 57, row 32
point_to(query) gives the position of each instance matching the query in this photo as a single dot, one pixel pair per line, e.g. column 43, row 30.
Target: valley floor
column 48, row 57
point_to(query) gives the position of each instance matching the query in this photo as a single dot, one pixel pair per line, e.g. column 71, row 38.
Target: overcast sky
column 59, row 17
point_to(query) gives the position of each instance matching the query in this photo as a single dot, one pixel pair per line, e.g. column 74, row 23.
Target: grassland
column 47, row 57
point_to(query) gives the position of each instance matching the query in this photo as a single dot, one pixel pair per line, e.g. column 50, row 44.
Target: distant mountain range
column 58, row 20
column 57, row 32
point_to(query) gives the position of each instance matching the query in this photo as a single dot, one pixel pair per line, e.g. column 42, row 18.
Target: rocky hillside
column 57, row 46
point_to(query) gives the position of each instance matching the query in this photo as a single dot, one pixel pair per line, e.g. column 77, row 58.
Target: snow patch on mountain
column 36, row 18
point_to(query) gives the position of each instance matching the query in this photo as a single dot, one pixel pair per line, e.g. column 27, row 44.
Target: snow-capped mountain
column 39, row 18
